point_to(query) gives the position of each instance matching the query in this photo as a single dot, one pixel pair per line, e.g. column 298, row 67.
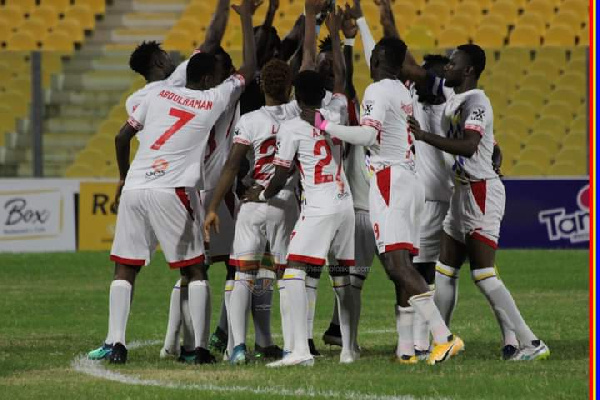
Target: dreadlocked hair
column 276, row 77
column 326, row 44
column 141, row 58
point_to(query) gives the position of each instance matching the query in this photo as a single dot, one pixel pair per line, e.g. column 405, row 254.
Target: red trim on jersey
column 372, row 123
column 280, row 267
column 282, row 163
column 135, row 124
column 306, row 259
column 479, row 190
column 476, row 128
column 345, row 263
column 244, row 265
column 241, row 78
column 352, row 117
column 478, row 236
column 384, row 178
column 185, row 200
column 187, row 263
column 243, row 141
column 127, row 261
column 230, row 202
column 402, row 246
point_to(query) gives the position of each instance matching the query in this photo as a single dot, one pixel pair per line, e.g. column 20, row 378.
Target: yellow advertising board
column 97, row 215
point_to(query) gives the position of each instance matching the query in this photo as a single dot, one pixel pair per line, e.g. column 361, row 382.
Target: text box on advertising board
column 97, row 215
column 33, row 214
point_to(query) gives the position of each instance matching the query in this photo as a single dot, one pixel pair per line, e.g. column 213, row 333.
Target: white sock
column 356, row 282
column 421, row 330
column 240, row 305
column 298, row 308
column 189, row 340
column 502, row 303
column 286, row 323
column 345, row 300
column 446, row 290
column 404, row 327
column 424, row 305
column 172, row 335
column 119, row 303
column 261, row 307
column 199, row 294
column 311, row 295
column 227, row 299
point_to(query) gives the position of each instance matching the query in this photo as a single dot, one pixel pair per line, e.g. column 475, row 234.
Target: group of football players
column 275, row 169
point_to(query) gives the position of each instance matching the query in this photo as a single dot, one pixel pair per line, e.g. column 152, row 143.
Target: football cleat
column 407, row 360
column 186, row 356
column 118, row 354
column 508, row 352
column 101, row 353
column 276, row 364
column 443, row 351
column 536, row 351
column 167, row 353
column 291, row 360
column 272, row 352
column 238, row 356
column 333, row 335
column 203, row 356
column 218, row 341
column 347, row 357
column 422, row 355
column 313, row 350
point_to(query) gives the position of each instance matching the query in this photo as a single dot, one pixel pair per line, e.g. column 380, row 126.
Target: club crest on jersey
column 367, row 108
column 478, row 114
column 159, row 168
column 575, row 226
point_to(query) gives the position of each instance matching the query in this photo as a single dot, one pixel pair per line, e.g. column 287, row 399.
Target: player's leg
column 313, row 276
column 171, row 343
column 187, row 352
column 262, row 298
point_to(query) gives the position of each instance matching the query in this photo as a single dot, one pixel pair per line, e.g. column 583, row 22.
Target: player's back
column 320, row 161
column 386, row 107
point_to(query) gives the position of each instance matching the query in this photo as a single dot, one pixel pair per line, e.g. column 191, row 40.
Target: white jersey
column 174, row 125
column 319, row 158
column 336, row 105
column 356, row 166
column 386, row 107
column 177, row 78
column 259, row 129
column 434, row 167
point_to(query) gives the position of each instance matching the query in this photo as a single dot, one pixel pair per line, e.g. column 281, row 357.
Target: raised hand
column 355, row 11
column 415, row 127
column 334, row 21
column 315, row 6
column 247, row 6
column 349, row 26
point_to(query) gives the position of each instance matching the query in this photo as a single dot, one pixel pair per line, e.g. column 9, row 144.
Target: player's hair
column 326, row 44
column 431, row 60
column 309, row 88
column 228, row 65
column 476, row 57
column 200, row 65
column 140, row 60
column 276, row 77
column 395, row 50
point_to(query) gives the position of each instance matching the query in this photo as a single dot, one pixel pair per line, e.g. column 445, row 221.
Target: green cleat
column 272, row 352
column 101, row 353
column 218, row 341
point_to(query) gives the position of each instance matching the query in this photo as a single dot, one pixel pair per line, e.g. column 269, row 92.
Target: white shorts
column 476, row 210
column 364, row 241
column 396, row 201
column 221, row 243
column 432, row 226
column 259, row 223
column 315, row 235
column 172, row 218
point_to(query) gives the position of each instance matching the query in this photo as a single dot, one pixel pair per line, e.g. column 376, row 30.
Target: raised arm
column 293, row 40
column 245, row 11
column 355, row 13
column 216, row 28
column 270, row 15
column 334, row 24
column 386, row 17
column 350, row 29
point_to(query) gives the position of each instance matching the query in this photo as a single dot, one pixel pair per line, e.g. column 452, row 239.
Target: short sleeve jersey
column 386, row 106
column 174, row 126
column 319, row 159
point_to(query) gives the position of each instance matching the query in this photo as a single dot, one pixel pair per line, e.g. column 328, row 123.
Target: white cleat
column 169, row 353
column 347, row 357
column 532, row 352
column 291, row 360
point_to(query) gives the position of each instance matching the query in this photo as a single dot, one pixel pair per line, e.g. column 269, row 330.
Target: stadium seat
column 419, row 37
column 98, row 7
column 548, row 68
column 497, row 96
column 566, row 94
column 516, row 54
column 58, row 41
column 103, row 143
column 511, row 66
column 439, row 9
column 525, row 36
column 490, row 36
column 525, row 111
column 467, row 23
column 560, row 35
column 577, row 6
column 73, row 28
column 179, row 40
column 46, row 13
column 558, row 109
column 59, row 5
column 453, row 37
column 5, row 29
column 530, row 95
column 534, row 20
column 579, row 124
column 505, row 9
column 509, row 144
column 405, row 9
column 540, row 156
column 552, row 125
column 110, row 127
column 20, row 41
column 574, row 154
column 37, row 27
column 515, row 125
column 525, row 169
column 569, row 18
column 583, row 39
column 26, row 6
column 543, row 8
column 430, row 21
column 535, row 80
column 79, row 171
column 83, row 14
column 547, row 141
column 469, row 8
column 12, row 15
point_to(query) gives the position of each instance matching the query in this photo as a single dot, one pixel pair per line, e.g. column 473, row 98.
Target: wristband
column 349, row 41
column 323, row 125
column 261, row 196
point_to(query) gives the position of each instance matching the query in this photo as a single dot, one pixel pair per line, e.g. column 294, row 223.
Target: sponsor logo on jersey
column 572, row 226
column 159, row 168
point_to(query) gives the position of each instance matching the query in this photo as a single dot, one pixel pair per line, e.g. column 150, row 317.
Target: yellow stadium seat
column 83, row 14
column 584, row 37
column 560, row 35
column 465, row 22
column 419, row 37
column 578, row 64
column 103, row 143
column 566, row 168
column 525, row 111
column 26, row 6
column 21, row 41
column 490, row 36
column 439, row 9
column 525, row 36
column 548, row 68
column 517, row 55
column 79, row 171
column 570, row 18
column 524, row 168
column 551, row 125
column 513, row 125
column 530, row 95
column 46, row 13
column 5, row 29
column 566, row 94
column 469, row 8
column 537, row 155
column 59, row 42
column 544, row 140
column 558, row 109
column 579, row 124
column 59, row 5
column 573, row 154
column 534, row 20
column 535, row 80
column 12, row 15
column 37, row 27
column 509, row 143
column 431, row 22
column 543, row 8
column 71, row 27
column 93, row 157
column 110, row 127
column 511, row 66
column 98, row 7
column 497, row 96
column 405, row 8
column 556, row 55
column 179, row 40
column 18, row 102
column 505, row 9
column 453, row 37
column 579, row 7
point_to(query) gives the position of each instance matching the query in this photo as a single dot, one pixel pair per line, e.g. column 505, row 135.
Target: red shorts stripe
column 402, row 246
column 127, row 261
column 384, row 178
column 306, row 259
column 478, row 236
column 479, row 193
column 185, row 200
column 244, row 264
column 187, row 263
column 346, row 263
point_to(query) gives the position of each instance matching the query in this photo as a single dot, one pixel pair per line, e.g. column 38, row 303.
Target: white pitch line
column 98, row 370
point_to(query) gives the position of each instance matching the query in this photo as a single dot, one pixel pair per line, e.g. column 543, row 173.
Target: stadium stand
column 536, row 74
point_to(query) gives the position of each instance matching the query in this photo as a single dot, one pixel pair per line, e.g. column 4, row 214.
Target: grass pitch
column 54, row 308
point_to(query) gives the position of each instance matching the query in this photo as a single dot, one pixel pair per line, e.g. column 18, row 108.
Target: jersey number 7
column 183, row 118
